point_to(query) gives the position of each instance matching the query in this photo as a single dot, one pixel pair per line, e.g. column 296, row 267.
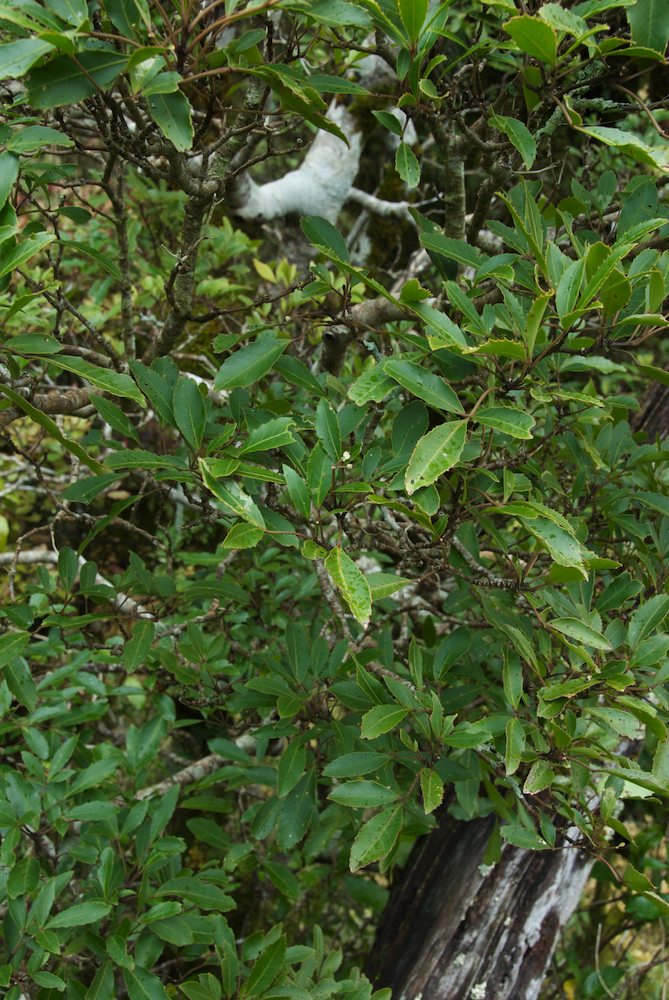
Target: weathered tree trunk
column 457, row 930
column 653, row 416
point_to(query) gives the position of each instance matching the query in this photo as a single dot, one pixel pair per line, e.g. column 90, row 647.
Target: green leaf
column 423, row 384
column 384, row 584
column 79, row 915
column 23, row 251
column 446, row 246
column 27, row 140
column 73, row 12
column 413, row 14
column 231, row 495
column 563, row 19
column 352, row 584
column 322, row 233
column 540, row 776
column 250, row 363
column 649, row 23
column 190, row 412
column 519, row 135
column 292, row 765
column 432, row 789
column 100, row 258
column 172, row 114
column 112, row 382
column 647, row 618
column 266, row 969
column 102, row 987
column 352, row 765
column 274, row 433
column 242, row 536
column 12, row 644
column 508, row 420
column 298, row 491
column 578, row 630
column 114, row 416
column 534, row 37
column 374, row 384
column 282, row 877
column 362, row 794
column 381, row 719
column 16, row 58
column 389, row 121
column 563, row 547
column 64, row 81
column 376, row 838
column 9, row 171
column 629, row 143
column 435, row 453
column 92, row 776
column 143, row 985
column 32, row 343
column 137, row 649
column 407, row 165
column 52, row 429
column 515, row 744
column 519, row 836
column 327, row 430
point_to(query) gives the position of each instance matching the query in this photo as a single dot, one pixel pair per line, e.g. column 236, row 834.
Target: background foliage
column 313, row 528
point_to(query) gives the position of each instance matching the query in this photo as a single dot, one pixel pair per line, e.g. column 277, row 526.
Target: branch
column 189, row 775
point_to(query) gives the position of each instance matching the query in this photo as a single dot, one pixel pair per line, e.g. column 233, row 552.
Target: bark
column 653, row 417
column 456, row 929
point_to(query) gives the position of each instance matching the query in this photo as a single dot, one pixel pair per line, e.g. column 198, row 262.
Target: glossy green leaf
column 578, row 630
column 362, row 794
column 351, row 583
column 508, row 420
column 376, row 838
column 190, row 411
column 534, row 37
column 381, row 719
column 17, row 57
column 436, row 452
column 423, row 384
column 407, row 165
column 65, row 81
column 519, row 135
column 250, row 363
column 432, row 789
column 172, row 114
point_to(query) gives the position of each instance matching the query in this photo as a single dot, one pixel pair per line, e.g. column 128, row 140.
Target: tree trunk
column 653, row 417
column 457, row 930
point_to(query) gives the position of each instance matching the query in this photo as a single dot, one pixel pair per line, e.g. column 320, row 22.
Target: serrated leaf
column 376, row 838
column 143, row 985
column 407, row 165
column 242, row 536
column 172, row 114
column 647, row 618
column 508, row 420
column 250, row 363
column 534, row 37
column 352, row 584
column 578, row 630
column 432, row 389
column 432, row 789
column 381, row 719
column 231, row 495
column 190, row 412
column 540, row 776
column 274, row 433
column 435, row 453
column 519, row 135
column 115, row 383
column 362, row 794
column 515, row 744
column 79, row 915
column 322, row 233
